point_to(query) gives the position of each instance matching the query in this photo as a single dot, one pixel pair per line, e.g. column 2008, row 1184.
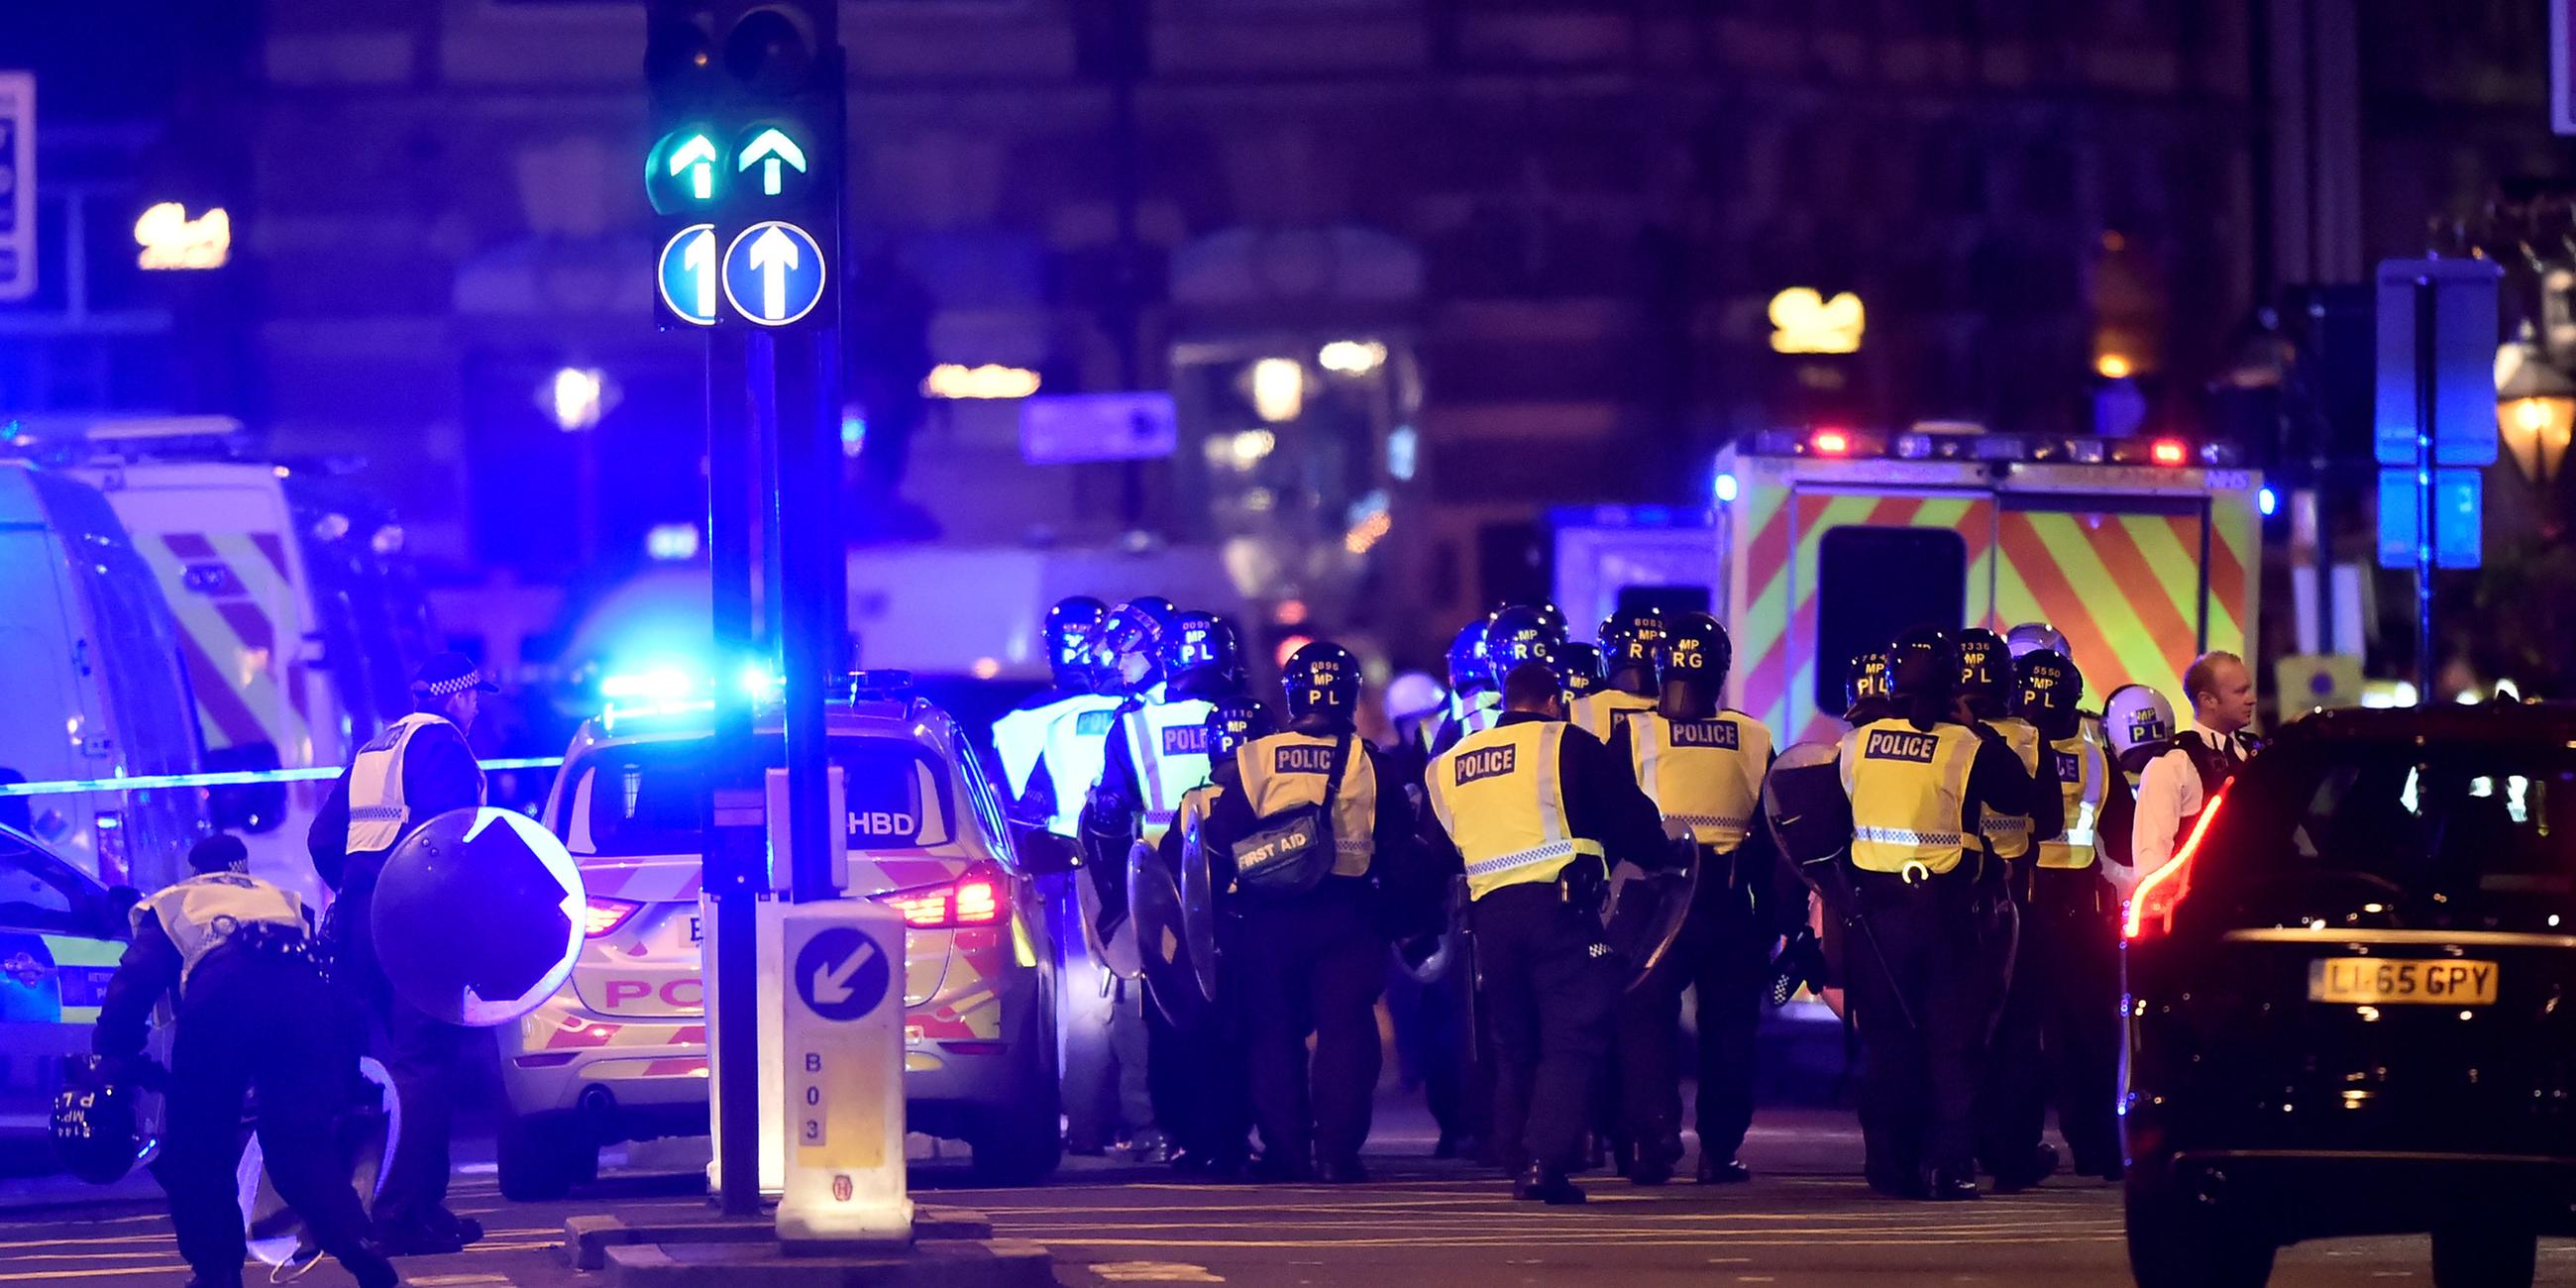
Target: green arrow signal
column 770, row 147
column 702, row 154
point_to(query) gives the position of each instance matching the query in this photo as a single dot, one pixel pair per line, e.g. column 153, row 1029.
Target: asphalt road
column 1805, row 1221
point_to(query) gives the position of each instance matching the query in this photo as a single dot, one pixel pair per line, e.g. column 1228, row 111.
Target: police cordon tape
column 230, row 778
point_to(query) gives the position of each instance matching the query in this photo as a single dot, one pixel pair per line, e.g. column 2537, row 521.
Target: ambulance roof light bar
column 1964, row 441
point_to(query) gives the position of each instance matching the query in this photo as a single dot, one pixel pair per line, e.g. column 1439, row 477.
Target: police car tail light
column 974, row 899
column 2152, row 904
column 604, row 915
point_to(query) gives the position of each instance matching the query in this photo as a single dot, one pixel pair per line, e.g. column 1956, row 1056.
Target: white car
column 621, row 1052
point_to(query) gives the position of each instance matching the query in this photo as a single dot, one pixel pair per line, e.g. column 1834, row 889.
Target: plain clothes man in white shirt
column 2220, row 689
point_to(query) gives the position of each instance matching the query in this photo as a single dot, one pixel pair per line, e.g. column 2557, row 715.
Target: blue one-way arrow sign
column 688, row 274
column 773, row 273
column 841, row 974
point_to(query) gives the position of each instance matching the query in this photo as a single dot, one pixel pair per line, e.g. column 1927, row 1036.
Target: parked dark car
column 2349, row 1001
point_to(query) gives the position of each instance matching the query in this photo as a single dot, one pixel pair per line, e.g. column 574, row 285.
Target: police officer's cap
column 2050, row 689
column 1234, row 722
column 1696, row 647
column 1578, row 667
column 1069, row 627
column 1985, row 667
column 1922, row 663
column 1323, row 677
column 1629, row 636
column 1866, row 677
column 1519, row 634
column 447, row 675
column 1201, row 641
column 1467, row 668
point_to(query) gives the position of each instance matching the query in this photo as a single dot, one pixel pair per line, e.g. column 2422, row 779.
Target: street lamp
column 2535, row 409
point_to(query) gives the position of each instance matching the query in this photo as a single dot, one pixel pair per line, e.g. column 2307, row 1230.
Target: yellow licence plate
column 2379, row 981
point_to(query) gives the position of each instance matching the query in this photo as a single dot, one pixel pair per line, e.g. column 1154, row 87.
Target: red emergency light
column 1830, row 442
column 2169, row 451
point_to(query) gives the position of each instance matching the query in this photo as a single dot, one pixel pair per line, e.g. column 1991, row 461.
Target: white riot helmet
column 1413, row 694
column 2033, row 636
column 2139, row 725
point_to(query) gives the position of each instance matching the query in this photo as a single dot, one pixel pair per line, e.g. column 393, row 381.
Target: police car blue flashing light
column 2267, row 501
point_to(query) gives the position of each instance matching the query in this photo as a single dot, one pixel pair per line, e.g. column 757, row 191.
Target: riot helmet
column 1131, row 648
column 1922, row 673
column 1985, row 673
column 96, row 1124
column 1071, row 628
column 1234, row 722
column 1865, row 686
column 2030, row 636
column 1323, row 679
column 2138, row 724
column 1202, row 647
column 1519, row 634
column 2051, row 688
column 1578, row 667
column 1467, row 670
column 1629, row 639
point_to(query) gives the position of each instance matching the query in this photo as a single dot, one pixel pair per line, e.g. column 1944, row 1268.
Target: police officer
column 1473, row 702
column 1313, row 957
column 2176, row 786
column 2011, row 1103
column 2070, row 927
column 1201, row 1080
column 1578, row 665
column 417, row 769
column 1918, row 780
column 1702, row 766
column 1024, row 737
column 1628, row 643
column 1866, row 695
column 2137, row 727
column 1534, row 811
column 252, row 1018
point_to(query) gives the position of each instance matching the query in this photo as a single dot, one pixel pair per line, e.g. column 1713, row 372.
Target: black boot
column 2037, row 1166
column 1543, row 1184
column 1951, row 1187
column 1722, row 1171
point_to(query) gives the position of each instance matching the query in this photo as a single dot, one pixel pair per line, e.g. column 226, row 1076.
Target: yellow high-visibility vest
column 1287, row 770
column 1167, row 744
column 378, row 814
column 1907, row 787
column 2009, row 834
column 1500, row 797
column 2083, row 772
column 1704, row 774
column 1600, row 713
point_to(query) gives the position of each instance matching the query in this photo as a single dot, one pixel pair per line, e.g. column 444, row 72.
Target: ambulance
column 2145, row 552
column 299, row 620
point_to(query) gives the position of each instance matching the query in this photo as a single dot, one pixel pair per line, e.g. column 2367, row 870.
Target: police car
column 61, row 936
column 621, row 1052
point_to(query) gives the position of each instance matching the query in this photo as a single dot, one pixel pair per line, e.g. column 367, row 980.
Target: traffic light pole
column 735, row 859
column 811, row 576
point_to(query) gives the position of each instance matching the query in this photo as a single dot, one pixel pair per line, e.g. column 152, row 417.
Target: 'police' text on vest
column 1185, row 740
column 1706, row 733
column 1895, row 744
column 1302, row 759
column 1486, row 762
column 1093, row 724
column 2070, row 767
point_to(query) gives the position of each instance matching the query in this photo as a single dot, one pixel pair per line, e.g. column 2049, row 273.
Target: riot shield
column 1200, row 915
column 274, row 1232
column 1429, row 958
column 1809, row 816
column 1162, row 953
column 478, row 916
column 1645, row 911
column 1117, row 949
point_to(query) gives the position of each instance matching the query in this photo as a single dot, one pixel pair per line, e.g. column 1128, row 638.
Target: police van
column 621, row 1052
column 94, row 687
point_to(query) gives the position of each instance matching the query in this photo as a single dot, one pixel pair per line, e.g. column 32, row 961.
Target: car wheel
column 2178, row 1240
column 2484, row 1256
column 1024, row 1145
column 543, row 1156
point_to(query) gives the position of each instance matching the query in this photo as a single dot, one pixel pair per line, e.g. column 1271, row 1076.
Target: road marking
column 455, row 1281
column 1168, row 1272
column 52, row 1275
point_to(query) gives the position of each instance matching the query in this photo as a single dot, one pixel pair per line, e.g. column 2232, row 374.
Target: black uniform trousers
column 2071, row 944
column 1724, row 954
column 1313, row 963
column 1432, row 1027
column 2012, row 1086
column 1548, row 983
column 423, row 1055
column 1916, row 961
column 257, row 1019
column 1198, row 1076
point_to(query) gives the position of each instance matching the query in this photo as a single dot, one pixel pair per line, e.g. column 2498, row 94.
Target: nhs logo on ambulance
column 1704, row 733
column 1486, row 762
column 1185, row 740
column 1899, row 744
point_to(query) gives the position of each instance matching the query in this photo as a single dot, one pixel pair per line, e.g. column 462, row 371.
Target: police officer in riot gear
column 2070, row 945
column 2008, row 1100
column 1201, row 1081
column 417, row 769
column 1534, row 811
column 251, row 1007
column 1702, row 765
column 1629, row 683
column 1021, row 737
column 1308, row 823
column 1866, row 696
column 1918, row 781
